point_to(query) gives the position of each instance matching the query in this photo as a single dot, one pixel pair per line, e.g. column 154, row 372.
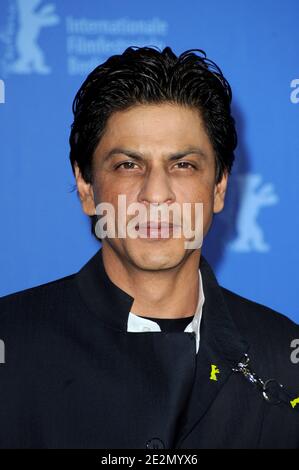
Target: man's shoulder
column 37, row 298
column 253, row 315
column 272, row 336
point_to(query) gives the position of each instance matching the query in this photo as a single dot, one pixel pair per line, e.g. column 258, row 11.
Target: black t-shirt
column 172, row 324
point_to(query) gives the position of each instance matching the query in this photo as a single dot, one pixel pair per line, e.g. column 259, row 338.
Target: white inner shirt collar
column 137, row 324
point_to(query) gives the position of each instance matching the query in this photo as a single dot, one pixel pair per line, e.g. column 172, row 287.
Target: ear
column 219, row 193
column 85, row 191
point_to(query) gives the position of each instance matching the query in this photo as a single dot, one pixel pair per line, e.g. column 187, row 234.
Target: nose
column 156, row 188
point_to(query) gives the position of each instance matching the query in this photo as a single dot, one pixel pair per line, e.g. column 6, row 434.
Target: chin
column 157, row 255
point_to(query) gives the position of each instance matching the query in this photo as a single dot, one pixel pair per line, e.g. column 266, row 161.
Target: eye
column 185, row 165
column 127, row 166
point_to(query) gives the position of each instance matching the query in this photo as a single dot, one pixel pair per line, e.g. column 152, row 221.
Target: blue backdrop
column 47, row 49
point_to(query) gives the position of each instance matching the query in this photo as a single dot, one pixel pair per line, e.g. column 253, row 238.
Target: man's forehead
column 147, row 130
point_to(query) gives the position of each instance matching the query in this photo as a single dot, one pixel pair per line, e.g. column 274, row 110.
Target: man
column 142, row 348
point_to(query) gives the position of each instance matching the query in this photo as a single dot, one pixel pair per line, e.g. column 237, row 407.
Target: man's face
column 154, row 154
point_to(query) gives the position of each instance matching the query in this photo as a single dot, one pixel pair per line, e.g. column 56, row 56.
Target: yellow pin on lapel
column 294, row 402
column 214, row 371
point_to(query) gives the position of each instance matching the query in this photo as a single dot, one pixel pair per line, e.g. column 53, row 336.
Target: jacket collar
column 112, row 305
column 219, row 329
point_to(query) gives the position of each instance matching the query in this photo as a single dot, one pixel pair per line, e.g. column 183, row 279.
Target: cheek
column 104, row 189
column 203, row 194
column 108, row 190
column 195, row 191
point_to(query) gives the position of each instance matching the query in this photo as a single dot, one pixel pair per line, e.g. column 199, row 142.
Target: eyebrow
column 138, row 156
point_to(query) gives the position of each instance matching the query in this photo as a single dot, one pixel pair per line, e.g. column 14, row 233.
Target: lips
column 156, row 229
column 154, row 226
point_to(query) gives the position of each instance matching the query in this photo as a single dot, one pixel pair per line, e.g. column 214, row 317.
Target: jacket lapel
column 221, row 348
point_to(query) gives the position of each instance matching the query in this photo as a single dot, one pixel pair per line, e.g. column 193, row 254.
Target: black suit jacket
column 73, row 376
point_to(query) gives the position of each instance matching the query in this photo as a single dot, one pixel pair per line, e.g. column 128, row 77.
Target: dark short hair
column 147, row 75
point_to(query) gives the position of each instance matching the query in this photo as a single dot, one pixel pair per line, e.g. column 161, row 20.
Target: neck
column 171, row 293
